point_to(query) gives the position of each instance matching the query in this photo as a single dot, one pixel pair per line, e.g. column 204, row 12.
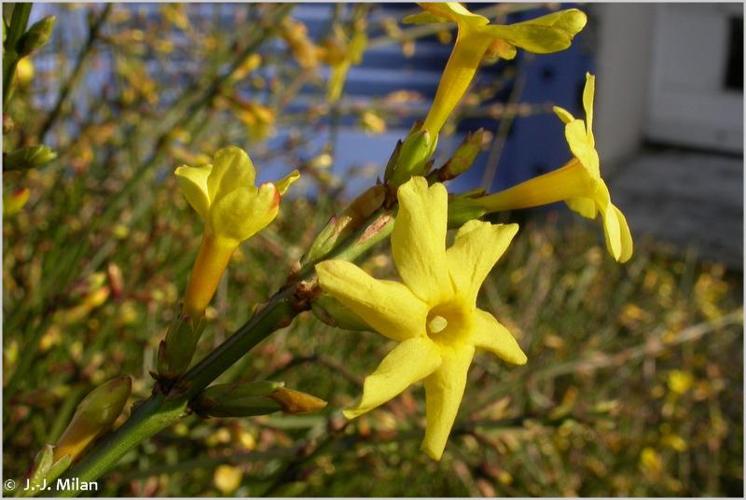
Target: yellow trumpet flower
column 543, row 35
column 433, row 313
column 233, row 209
column 578, row 183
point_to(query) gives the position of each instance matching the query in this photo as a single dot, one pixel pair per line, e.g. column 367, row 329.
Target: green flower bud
column 464, row 157
column 95, row 415
column 344, row 224
column 28, row 157
column 330, row 311
column 412, row 158
column 248, row 399
column 36, row 37
column 295, row 402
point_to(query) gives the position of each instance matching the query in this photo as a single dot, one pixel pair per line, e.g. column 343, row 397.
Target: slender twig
column 18, row 22
column 93, row 34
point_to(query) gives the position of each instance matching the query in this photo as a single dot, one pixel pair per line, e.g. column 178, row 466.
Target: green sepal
column 176, row 351
column 330, row 311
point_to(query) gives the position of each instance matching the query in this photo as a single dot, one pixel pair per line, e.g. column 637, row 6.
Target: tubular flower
column 477, row 38
column 233, row 209
column 433, row 313
column 578, row 183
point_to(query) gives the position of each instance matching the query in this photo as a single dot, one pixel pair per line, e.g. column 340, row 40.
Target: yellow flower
column 578, row 183
column 340, row 55
column 433, row 313
column 546, row 34
column 233, row 209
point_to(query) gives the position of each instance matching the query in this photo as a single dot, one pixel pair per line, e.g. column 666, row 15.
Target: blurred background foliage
column 635, row 373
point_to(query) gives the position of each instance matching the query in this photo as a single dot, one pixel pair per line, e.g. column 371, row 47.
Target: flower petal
column 476, row 249
column 444, row 390
column 409, row 362
column 545, row 34
column 193, row 184
column 418, row 241
column 563, row 114
column 612, row 232
column 388, row 307
column 283, row 184
column 243, row 212
column 232, row 169
column 490, row 335
column 455, row 12
column 582, row 147
column 625, row 235
column 588, row 92
column 583, row 206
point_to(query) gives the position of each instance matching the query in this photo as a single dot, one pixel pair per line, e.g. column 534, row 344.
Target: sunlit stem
column 213, row 257
column 459, row 72
column 570, row 181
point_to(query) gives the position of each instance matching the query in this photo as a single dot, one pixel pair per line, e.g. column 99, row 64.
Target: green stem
column 18, row 22
column 149, row 418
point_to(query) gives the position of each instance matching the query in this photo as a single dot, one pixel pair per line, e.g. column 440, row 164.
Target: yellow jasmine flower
column 341, row 55
column 476, row 37
column 433, row 313
column 233, row 209
column 578, row 183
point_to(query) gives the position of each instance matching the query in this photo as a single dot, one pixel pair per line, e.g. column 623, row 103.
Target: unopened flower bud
column 412, row 159
column 239, row 399
column 345, row 223
column 295, row 402
column 464, row 157
column 95, row 415
column 28, row 157
column 36, row 37
column 15, row 201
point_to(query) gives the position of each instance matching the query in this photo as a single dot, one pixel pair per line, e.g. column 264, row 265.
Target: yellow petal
column 444, row 390
column 563, row 114
column 388, row 307
column 455, row 12
column 491, row 336
column 582, row 147
column 612, row 232
column 243, row 212
column 542, row 35
column 588, row 92
column 418, row 241
column 478, row 245
column 625, row 235
column 193, row 183
column 283, row 184
column 409, row 362
column 586, row 207
column 232, row 169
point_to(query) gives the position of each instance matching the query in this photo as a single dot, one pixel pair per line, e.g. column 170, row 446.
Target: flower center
column 448, row 322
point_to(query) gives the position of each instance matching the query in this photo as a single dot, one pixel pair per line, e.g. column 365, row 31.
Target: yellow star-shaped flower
column 578, row 183
column 233, row 209
column 433, row 313
column 477, row 38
